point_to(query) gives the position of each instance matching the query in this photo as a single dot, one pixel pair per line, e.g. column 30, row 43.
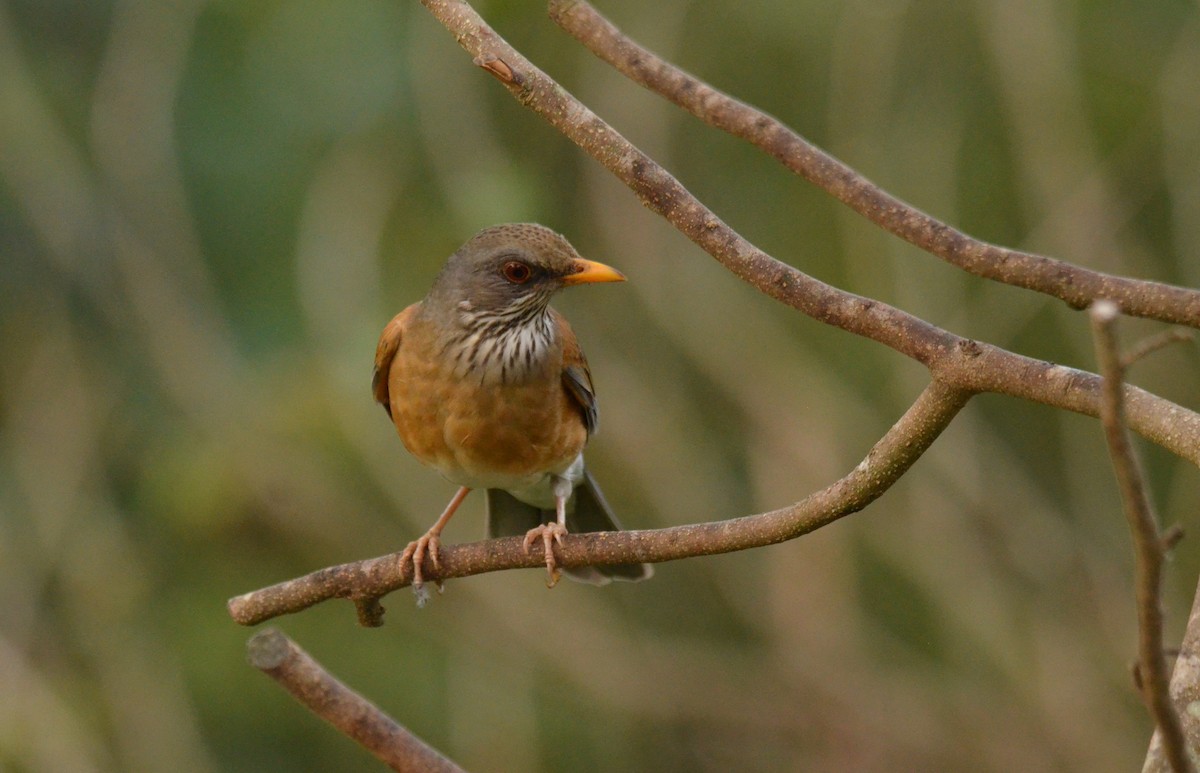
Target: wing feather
column 576, row 377
column 389, row 344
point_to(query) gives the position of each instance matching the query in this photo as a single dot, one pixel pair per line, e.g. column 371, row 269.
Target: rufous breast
column 476, row 428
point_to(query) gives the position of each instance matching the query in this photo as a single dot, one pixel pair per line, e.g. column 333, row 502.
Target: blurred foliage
column 208, row 210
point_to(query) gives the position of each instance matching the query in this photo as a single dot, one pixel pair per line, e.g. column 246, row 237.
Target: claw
column 416, row 551
column 429, row 544
column 549, row 533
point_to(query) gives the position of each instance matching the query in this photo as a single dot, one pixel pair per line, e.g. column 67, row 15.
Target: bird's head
column 512, row 270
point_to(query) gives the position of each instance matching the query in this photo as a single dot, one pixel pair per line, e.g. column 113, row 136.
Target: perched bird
column 487, row 384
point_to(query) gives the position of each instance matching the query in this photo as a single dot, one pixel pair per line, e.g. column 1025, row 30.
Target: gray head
column 511, row 271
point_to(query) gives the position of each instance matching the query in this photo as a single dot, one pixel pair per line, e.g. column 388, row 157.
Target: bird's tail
column 587, row 511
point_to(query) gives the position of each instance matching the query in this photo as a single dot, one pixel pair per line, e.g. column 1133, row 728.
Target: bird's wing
column 576, row 377
column 389, row 343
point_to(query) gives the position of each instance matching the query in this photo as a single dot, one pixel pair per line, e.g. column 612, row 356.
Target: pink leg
column 427, row 544
column 551, row 533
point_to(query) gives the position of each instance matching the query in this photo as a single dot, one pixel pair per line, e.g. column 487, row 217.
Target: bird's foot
column 426, row 545
column 549, row 533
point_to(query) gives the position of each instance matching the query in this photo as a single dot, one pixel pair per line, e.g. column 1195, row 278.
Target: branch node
column 970, row 347
column 557, row 9
column 499, row 68
column 370, row 611
column 1171, row 537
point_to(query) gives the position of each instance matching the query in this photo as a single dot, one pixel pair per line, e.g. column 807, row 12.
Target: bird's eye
column 516, row 272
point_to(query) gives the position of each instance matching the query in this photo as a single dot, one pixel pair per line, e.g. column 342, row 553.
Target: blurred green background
column 209, row 210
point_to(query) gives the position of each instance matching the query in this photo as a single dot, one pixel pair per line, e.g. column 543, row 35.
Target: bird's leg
column 554, row 531
column 427, row 545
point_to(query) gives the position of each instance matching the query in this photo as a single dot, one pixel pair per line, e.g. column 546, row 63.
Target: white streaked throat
column 501, row 346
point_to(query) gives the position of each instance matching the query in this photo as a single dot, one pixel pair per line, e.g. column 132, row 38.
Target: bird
column 486, row 383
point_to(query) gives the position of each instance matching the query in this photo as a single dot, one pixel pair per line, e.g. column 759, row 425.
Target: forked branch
column 959, row 362
column 1076, row 286
column 960, row 367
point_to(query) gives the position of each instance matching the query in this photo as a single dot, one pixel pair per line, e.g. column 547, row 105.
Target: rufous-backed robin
column 487, row 384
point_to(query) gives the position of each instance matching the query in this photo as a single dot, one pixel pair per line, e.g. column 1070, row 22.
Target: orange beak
column 588, row 271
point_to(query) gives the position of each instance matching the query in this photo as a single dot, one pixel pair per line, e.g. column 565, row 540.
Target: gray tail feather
column 586, row 511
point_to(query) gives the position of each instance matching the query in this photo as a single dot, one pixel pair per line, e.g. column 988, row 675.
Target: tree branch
column 1077, row 287
column 280, row 658
column 960, row 368
column 1148, row 544
column 955, row 361
column 1185, row 693
column 365, row 581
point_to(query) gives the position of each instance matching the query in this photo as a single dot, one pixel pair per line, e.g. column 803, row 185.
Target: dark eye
column 516, row 272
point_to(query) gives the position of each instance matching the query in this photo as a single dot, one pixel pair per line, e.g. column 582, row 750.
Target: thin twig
column 1171, row 537
column 280, row 658
column 1148, row 346
column 1074, row 285
column 970, row 365
column 1147, row 543
column 891, row 457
